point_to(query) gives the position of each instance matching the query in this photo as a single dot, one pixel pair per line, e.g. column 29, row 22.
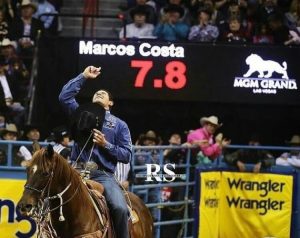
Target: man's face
column 65, row 141
column 33, row 135
column 7, row 51
column 102, row 98
column 149, row 142
column 139, row 19
column 203, row 17
column 234, row 25
column 175, row 139
column 10, row 136
column 174, row 17
column 27, row 11
column 210, row 128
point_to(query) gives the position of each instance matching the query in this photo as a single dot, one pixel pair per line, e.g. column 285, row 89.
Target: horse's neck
column 77, row 210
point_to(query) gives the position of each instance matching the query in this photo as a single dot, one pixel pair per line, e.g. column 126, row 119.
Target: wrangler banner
column 209, row 204
column 249, row 205
column 12, row 224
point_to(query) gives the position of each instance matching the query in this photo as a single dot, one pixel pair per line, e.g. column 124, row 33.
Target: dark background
column 210, row 71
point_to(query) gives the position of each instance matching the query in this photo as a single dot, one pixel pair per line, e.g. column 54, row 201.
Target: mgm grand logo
column 265, row 76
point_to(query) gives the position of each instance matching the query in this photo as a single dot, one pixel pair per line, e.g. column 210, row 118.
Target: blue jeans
column 115, row 200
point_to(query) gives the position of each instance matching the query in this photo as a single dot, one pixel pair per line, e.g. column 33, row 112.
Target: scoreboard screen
column 192, row 72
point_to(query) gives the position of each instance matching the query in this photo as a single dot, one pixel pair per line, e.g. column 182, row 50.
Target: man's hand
column 99, row 138
column 241, row 166
column 219, row 138
column 201, row 142
column 256, row 168
column 225, row 142
column 91, row 72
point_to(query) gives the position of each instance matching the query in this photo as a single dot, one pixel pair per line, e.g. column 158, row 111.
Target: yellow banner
column 209, row 204
column 12, row 225
column 255, row 205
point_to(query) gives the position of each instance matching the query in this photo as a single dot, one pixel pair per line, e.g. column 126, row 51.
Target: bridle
column 42, row 211
column 41, row 191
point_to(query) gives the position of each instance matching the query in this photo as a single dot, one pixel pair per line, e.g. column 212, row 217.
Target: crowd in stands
column 233, row 21
column 21, row 24
column 207, row 145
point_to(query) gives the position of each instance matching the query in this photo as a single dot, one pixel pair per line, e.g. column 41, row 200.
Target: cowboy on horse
column 111, row 143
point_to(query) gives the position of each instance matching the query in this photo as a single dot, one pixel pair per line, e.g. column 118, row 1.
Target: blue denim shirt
column 117, row 135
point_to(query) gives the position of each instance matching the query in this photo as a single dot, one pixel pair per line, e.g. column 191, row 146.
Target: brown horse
column 57, row 198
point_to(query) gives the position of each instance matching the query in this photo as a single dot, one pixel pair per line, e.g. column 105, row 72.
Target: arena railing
column 156, row 205
column 143, row 188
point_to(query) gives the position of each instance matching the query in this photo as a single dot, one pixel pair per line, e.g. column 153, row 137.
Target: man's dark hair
column 111, row 98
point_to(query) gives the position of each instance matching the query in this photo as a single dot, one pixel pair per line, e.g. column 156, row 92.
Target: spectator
column 216, row 19
column 10, row 133
column 279, row 31
column 173, row 194
column 251, row 20
column 222, row 6
column 152, row 18
column 15, row 71
column 170, row 28
column 234, row 10
column 3, row 26
column 62, row 140
column 184, row 18
column 14, row 81
column 25, row 31
column 50, row 22
column 123, row 174
column 176, row 156
column 149, row 156
column 8, row 92
column 204, row 31
column 235, row 34
column 31, row 133
column 267, row 9
column 292, row 17
column 139, row 28
column 260, row 158
column 291, row 158
column 203, row 137
column 263, row 35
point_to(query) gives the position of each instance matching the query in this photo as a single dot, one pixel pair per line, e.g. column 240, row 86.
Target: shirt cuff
column 108, row 146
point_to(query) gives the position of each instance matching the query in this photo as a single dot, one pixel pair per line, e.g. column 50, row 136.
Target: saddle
column 96, row 191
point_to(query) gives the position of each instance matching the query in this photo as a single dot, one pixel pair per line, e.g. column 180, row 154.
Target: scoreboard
column 192, row 72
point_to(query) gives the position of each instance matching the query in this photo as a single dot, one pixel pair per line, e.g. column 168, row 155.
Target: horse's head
column 39, row 177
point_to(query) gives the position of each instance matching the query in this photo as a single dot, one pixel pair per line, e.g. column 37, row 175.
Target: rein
column 43, row 211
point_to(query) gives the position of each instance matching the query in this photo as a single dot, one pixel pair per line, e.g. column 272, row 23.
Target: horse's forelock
column 41, row 160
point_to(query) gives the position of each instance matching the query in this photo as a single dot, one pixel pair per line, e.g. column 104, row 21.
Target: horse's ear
column 49, row 151
column 36, row 146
